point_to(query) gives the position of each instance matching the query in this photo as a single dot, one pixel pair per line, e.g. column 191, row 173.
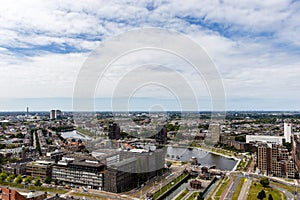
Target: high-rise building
column 162, row 136
column 213, row 136
column 273, row 159
column 287, row 132
column 55, row 114
column 262, row 158
column 114, row 131
column 27, row 112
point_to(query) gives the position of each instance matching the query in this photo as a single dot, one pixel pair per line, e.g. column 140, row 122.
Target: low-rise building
column 18, row 167
column 40, row 168
column 10, row 194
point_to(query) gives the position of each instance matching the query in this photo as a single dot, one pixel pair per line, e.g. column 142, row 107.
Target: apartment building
column 273, row 159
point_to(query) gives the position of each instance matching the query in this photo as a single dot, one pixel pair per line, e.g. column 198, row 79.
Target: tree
column 19, row 179
column 264, row 181
column 240, row 138
column 288, row 146
column 47, row 180
column 270, row 197
column 55, row 181
column 37, row 181
column 28, row 179
column 261, row 195
column 168, row 163
column 3, row 176
column 10, row 178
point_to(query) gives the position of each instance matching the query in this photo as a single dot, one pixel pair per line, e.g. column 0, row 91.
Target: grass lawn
column 182, row 194
column 88, row 195
column 255, row 189
column 288, row 188
column 222, row 188
column 32, row 187
column 193, row 196
column 238, row 189
column 216, row 187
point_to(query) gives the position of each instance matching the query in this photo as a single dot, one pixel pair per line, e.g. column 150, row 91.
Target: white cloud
column 257, row 56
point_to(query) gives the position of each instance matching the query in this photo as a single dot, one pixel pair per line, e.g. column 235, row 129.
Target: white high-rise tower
column 287, row 132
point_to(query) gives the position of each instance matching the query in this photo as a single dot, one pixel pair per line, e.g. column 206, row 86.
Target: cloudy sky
column 254, row 44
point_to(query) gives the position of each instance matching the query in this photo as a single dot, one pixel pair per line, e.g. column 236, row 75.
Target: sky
column 255, row 46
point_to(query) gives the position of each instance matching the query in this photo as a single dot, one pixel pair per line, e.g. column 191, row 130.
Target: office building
column 114, row 131
column 120, row 176
column 40, row 168
column 128, row 169
column 79, row 172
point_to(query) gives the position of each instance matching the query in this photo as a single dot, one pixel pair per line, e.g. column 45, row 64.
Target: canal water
column 205, row 158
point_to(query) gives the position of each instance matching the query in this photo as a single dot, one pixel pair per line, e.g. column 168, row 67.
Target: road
column 244, row 191
column 223, row 196
column 231, row 190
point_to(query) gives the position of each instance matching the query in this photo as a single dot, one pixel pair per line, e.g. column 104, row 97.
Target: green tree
column 55, row 181
column 47, row 180
column 28, row 179
column 10, row 178
column 288, row 146
column 37, row 181
column 3, row 176
column 270, row 197
column 240, row 138
column 261, row 195
column 168, row 163
column 264, row 181
column 19, row 179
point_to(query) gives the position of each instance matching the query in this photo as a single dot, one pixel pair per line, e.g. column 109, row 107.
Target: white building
column 264, row 138
column 272, row 139
column 287, row 132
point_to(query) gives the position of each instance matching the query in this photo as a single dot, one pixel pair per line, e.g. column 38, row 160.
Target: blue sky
column 254, row 44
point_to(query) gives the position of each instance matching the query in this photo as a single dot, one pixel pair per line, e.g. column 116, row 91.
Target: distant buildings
column 114, row 131
column 273, row 159
column 55, row 114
